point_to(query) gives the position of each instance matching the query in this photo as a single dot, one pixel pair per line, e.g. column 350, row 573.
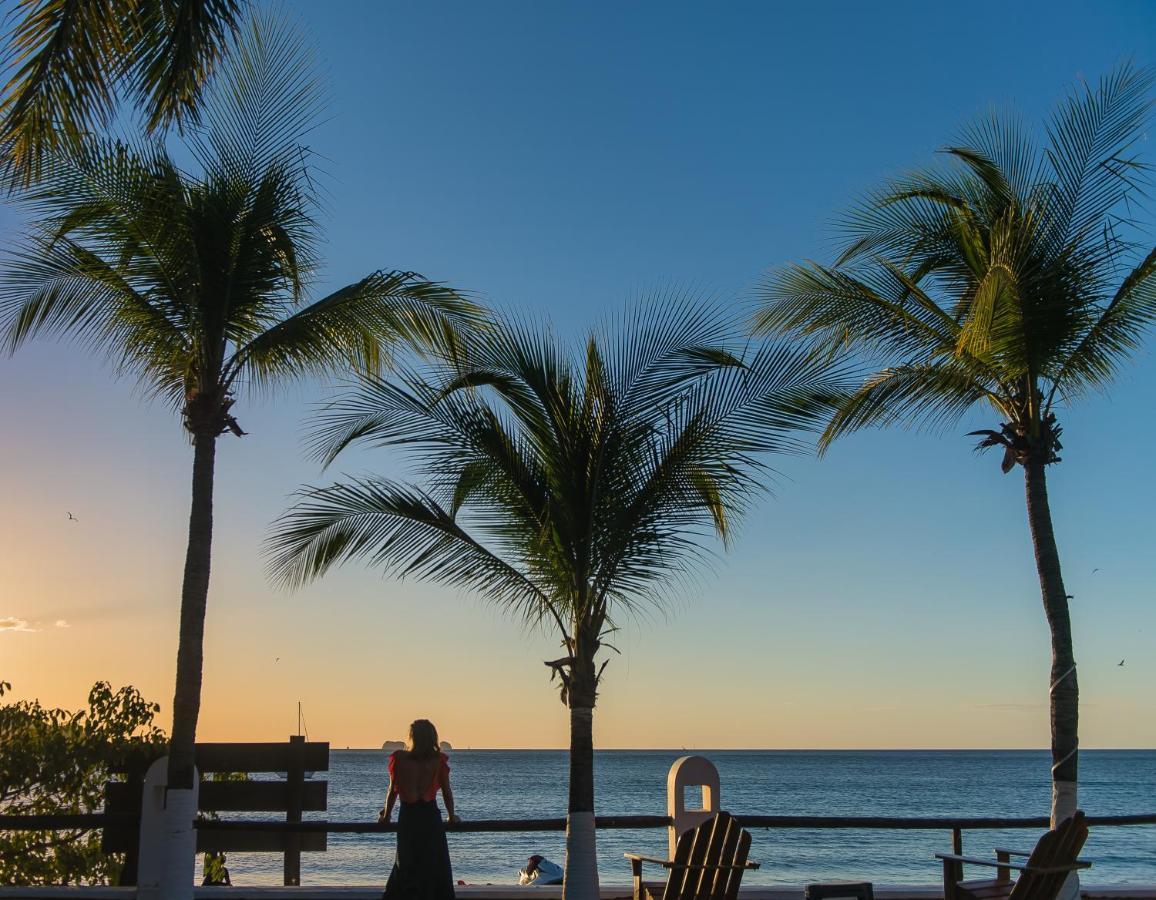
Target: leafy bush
column 56, row 761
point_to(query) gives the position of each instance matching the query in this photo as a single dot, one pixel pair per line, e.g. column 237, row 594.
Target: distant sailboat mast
column 302, row 729
column 302, row 725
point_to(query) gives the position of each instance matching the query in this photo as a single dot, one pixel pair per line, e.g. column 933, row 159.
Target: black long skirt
column 421, row 868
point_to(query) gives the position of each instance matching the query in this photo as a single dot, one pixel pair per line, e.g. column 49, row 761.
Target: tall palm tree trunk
column 581, row 760
column 581, row 880
column 1065, row 691
column 194, row 594
column 170, row 877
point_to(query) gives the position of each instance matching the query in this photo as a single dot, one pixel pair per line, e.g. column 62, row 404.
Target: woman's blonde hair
column 423, row 739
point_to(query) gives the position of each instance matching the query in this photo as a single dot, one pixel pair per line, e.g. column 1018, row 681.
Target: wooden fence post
column 295, row 782
column 949, row 892
column 131, row 866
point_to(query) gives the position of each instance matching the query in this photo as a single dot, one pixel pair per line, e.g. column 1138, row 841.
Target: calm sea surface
column 497, row 784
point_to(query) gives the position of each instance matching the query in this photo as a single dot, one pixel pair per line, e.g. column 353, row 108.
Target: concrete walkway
column 511, row 892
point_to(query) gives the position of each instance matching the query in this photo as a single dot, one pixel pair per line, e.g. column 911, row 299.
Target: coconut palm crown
column 569, row 488
column 1012, row 278
column 196, row 283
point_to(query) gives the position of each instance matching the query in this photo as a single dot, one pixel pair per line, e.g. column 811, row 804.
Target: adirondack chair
column 708, row 864
column 1040, row 878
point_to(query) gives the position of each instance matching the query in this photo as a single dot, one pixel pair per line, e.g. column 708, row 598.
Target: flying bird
column 1120, row 663
column 1094, row 571
column 72, row 518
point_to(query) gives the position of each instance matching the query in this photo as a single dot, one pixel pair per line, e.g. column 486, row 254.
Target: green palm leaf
column 404, row 531
column 68, row 62
column 177, row 45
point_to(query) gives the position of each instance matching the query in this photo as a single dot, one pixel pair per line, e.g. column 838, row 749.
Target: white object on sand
column 545, row 872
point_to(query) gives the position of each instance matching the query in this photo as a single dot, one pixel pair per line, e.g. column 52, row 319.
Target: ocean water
column 498, row 784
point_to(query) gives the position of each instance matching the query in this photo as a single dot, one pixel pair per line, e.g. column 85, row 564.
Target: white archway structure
column 690, row 771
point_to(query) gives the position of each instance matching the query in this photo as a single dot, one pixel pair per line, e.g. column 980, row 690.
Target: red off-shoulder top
column 439, row 780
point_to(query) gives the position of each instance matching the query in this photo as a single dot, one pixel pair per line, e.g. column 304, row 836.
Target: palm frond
column 1092, row 152
column 1113, row 337
column 665, row 341
column 357, row 327
column 67, row 64
column 176, row 48
column 257, row 113
column 922, row 395
column 839, row 308
column 61, row 288
column 995, row 179
column 62, row 66
column 379, row 413
column 1005, row 155
column 400, row 529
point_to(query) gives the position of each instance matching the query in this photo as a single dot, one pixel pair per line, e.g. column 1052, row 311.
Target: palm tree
column 196, row 284
column 569, row 490
column 67, row 64
column 997, row 280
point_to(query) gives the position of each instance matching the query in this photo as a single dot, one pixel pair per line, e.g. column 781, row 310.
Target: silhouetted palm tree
column 1007, row 279
column 196, row 284
column 68, row 62
column 567, row 488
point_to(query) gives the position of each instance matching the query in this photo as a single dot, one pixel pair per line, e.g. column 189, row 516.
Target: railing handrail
column 49, row 822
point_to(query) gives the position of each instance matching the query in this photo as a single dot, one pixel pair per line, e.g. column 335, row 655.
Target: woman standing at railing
column 421, row 866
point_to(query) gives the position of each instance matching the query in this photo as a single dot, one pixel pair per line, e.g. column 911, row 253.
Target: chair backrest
column 712, row 857
column 1060, row 847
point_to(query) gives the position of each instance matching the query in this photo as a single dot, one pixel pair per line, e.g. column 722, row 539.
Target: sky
column 562, row 161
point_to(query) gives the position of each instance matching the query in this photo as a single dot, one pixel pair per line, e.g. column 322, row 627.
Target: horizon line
column 472, row 749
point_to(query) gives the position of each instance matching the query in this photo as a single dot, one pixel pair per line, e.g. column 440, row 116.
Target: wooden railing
column 925, row 823
column 955, row 825
column 281, row 833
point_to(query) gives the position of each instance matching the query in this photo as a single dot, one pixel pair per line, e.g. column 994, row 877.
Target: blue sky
column 565, row 160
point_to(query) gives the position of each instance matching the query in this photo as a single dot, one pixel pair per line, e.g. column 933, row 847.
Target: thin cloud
column 61, row 623
column 11, row 623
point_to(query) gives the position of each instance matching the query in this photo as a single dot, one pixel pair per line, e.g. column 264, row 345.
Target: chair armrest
column 1019, row 867
column 665, row 863
column 1025, row 853
column 973, row 861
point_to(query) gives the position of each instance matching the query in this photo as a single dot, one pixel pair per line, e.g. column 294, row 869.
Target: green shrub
column 56, row 761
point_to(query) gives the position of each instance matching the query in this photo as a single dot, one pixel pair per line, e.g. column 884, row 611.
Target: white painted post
column 1064, row 807
column 690, row 771
column 168, row 840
